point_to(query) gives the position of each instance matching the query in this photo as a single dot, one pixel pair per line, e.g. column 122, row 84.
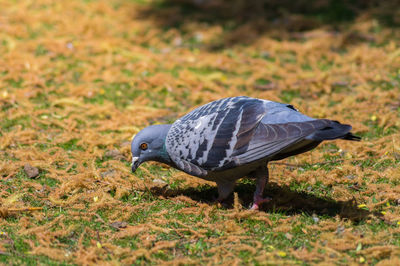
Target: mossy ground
column 79, row 78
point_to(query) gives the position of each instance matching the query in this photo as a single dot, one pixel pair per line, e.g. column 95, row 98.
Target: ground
column 79, row 78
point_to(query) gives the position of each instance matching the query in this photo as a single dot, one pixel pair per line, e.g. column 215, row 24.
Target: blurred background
column 247, row 20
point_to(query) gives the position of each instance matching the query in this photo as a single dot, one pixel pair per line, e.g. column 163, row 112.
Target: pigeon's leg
column 261, row 176
column 225, row 188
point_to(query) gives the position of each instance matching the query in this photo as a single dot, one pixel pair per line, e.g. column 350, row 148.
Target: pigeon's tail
column 334, row 130
column 350, row 136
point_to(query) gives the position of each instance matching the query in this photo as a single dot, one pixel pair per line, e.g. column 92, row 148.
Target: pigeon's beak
column 135, row 163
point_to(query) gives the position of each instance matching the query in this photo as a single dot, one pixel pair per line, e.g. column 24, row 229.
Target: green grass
column 108, row 60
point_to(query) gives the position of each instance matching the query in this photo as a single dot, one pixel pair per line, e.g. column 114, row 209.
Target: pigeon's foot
column 258, row 201
column 225, row 189
column 223, row 202
column 220, row 202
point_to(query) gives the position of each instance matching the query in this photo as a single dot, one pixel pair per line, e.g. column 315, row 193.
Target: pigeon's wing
column 270, row 139
column 234, row 131
column 206, row 136
column 190, row 168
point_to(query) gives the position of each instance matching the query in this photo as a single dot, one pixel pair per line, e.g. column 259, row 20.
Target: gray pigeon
column 231, row 138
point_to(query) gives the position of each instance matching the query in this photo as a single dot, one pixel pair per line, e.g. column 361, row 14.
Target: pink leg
column 262, row 180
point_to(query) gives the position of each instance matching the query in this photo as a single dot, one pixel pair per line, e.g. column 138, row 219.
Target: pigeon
column 235, row 137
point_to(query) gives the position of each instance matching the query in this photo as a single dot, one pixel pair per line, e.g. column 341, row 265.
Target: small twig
column 100, row 219
column 5, row 212
column 25, row 209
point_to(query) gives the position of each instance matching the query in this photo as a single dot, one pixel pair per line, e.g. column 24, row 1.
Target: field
column 79, row 78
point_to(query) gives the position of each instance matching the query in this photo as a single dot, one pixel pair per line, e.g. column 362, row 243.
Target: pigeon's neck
column 163, row 156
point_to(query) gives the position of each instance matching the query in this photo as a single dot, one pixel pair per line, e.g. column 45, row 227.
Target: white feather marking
column 198, row 124
column 233, row 140
column 201, row 129
column 210, row 136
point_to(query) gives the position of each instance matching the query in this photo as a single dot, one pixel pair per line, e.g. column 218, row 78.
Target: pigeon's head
column 149, row 145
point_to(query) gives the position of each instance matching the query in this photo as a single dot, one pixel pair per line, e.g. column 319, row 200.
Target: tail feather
column 350, row 136
column 334, row 130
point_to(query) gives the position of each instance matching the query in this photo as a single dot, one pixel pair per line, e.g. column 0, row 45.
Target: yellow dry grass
column 79, row 78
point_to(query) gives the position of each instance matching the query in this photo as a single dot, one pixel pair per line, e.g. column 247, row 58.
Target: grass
column 79, row 83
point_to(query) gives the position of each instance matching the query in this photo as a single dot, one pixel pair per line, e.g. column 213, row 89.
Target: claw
column 258, row 202
column 254, row 207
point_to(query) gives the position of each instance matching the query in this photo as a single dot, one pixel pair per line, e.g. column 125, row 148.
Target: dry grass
column 79, row 78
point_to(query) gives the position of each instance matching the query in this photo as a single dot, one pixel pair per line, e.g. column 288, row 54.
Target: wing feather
column 208, row 135
column 268, row 140
column 233, row 131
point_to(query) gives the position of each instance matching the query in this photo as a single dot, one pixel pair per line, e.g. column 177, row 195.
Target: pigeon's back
column 235, row 131
column 205, row 135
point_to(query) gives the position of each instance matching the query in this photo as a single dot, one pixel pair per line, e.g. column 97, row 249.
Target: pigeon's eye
column 143, row 146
